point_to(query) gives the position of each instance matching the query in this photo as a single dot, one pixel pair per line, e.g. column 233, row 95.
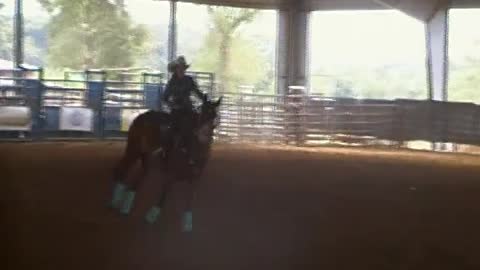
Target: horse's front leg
column 155, row 211
column 153, row 214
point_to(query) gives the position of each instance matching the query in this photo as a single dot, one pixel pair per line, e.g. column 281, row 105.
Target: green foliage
column 35, row 42
column 385, row 82
column 6, row 36
column 155, row 50
column 344, row 89
column 92, row 34
column 227, row 53
column 249, row 66
column 464, row 83
column 227, row 20
column 464, row 79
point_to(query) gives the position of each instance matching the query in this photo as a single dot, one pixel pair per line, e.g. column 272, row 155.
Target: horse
column 151, row 139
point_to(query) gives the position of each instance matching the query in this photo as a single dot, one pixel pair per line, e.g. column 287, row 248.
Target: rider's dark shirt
column 179, row 90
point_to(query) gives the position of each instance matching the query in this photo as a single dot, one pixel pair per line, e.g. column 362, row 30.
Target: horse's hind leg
column 133, row 187
column 120, row 190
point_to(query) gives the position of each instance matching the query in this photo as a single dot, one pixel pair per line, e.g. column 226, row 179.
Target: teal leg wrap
column 118, row 195
column 153, row 214
column 128, row 202
column 187, row 221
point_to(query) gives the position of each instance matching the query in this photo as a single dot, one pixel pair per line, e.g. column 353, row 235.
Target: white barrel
column 15, row 118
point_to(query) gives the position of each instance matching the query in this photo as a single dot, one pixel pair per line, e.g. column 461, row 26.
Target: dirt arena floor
column 259, row 207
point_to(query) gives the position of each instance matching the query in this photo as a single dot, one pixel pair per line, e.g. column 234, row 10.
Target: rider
column 177, row 94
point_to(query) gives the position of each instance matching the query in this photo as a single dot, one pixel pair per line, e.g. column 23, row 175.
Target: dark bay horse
column 152, row 140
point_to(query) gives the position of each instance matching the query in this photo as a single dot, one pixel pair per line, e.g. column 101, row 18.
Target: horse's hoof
column 118, row 195
column 128, row 202
column 187, row 222
column 153, row 214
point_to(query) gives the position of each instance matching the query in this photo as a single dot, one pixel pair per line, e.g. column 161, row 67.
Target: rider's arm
column 168, row 91
column 197, row 91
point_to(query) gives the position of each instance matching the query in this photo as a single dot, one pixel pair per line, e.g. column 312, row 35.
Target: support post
column 283, row 45
column 18, row 33
column 172, row 31
column 437, row 55
column 95, row 93
column 437, row 61
column 34, row 91
column 292, row 63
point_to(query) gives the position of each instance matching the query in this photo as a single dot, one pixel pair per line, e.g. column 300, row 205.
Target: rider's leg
column 187, row 136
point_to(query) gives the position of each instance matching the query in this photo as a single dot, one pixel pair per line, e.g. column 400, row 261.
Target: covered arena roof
column 420, row 9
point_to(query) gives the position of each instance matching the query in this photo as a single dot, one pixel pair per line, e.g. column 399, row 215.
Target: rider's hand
column 205, row 98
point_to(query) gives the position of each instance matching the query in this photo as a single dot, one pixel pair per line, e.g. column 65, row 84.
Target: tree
column 156, row 50
column 6, row 36
column 389, row 81
column 344, row 88
column 92, row 34
column 223, row 42
column 35, row 42
column 464, row 78
column 464, row 82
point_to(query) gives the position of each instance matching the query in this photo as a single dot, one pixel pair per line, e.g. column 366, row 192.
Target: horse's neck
column 201, row 149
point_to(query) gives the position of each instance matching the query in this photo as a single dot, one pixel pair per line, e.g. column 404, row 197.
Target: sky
column 347, row 38
column 149, row 12
column 463, row 42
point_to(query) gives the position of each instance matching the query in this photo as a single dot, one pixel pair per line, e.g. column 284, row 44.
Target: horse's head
column 208, row 119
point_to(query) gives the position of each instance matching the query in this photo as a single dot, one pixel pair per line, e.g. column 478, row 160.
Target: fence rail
column 286, row 119
column 315, row 120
